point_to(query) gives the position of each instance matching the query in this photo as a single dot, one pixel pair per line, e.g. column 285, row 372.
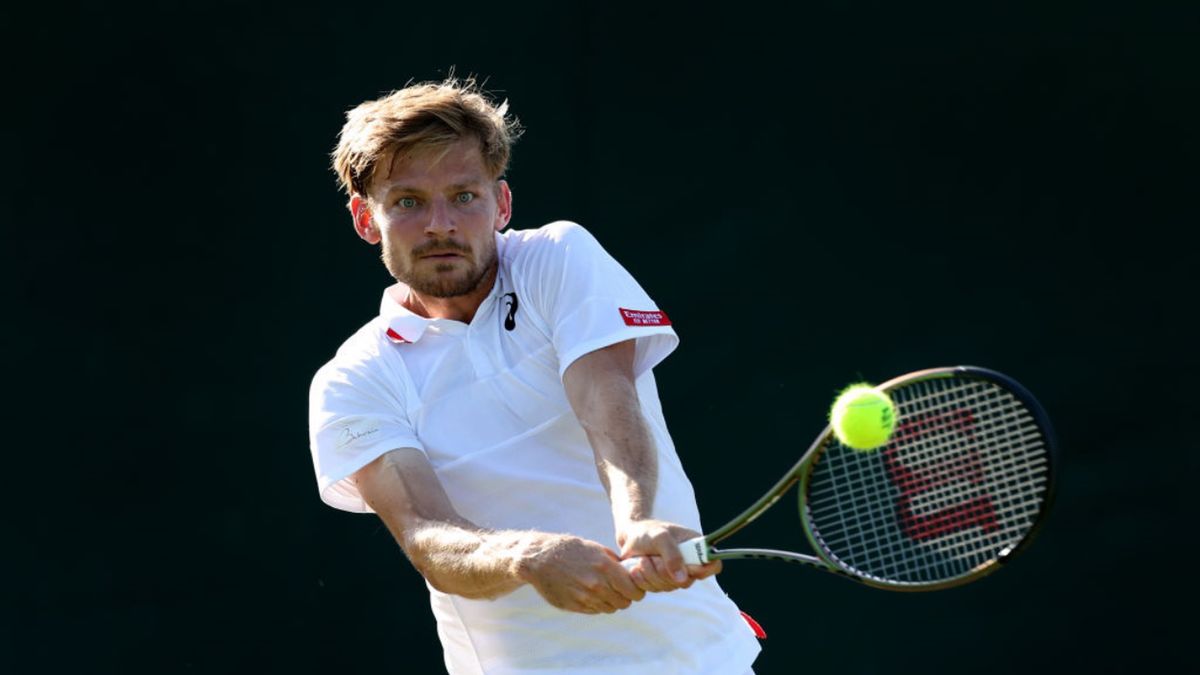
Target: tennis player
column 500, row 415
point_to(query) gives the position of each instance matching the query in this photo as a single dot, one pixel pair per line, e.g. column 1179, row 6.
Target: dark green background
column 837, row 191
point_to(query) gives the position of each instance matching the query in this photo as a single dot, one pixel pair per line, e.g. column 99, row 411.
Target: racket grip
column 694, row 552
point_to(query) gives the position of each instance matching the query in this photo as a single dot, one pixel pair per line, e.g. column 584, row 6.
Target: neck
column 458, row 308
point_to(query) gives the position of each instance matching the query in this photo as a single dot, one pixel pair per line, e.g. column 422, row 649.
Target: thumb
column 626, row 542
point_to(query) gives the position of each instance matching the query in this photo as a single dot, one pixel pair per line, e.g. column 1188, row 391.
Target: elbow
column 423, row 562
column 463, row 592
column 439, row 583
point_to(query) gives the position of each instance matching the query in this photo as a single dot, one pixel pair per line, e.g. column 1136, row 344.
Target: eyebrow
column 454, row 187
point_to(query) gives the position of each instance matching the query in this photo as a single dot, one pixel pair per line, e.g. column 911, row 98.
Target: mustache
column 447, row 246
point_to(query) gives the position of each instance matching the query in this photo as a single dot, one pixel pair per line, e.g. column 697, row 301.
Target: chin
column 445, row 288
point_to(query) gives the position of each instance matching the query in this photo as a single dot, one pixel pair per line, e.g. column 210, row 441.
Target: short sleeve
column 354, row 417
column 590, row 301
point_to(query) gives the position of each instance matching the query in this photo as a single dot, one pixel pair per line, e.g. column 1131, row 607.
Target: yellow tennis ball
column 862, row 417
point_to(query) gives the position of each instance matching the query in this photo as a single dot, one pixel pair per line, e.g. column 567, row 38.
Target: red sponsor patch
column 636, row 317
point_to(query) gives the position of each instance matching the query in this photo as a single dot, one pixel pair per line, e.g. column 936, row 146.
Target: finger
column 593, row 601
column 609, row 601
column 659, row 576
column 641, row 570
column 598, row 591
column 623, row 583
column 576, row 605
column 668, row 550
column 706, row 570
column 618, row 588
column 605, row 608
column 639, row 579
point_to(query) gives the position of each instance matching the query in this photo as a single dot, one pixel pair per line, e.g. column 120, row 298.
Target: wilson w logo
column 944, row 496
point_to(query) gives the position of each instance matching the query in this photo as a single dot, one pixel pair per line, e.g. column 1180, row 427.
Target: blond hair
column 418, row 116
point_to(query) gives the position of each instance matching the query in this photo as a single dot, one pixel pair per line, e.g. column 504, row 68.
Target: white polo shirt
column 485, row 402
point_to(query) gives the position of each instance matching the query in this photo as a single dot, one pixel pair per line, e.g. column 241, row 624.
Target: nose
column 441, row 219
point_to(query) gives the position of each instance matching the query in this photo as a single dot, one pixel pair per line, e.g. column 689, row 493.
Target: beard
column 439, row 279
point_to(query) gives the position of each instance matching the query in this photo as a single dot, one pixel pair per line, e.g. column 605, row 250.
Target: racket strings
column 864, row 487
column 985, row 514
column 961, row 482
column 935, row 500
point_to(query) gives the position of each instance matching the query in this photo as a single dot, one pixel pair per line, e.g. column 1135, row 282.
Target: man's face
column 434, row 212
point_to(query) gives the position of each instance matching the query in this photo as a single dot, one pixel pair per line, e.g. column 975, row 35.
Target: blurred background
column 816, row 194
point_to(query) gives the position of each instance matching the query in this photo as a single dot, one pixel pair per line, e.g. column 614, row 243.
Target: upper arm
column 403, row 488
column 602, row 389
column 600, row 375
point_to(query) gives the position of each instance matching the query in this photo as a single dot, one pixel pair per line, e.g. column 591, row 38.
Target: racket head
column 959, row 490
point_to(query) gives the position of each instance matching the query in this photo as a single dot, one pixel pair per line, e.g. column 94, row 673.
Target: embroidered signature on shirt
column 349, row 435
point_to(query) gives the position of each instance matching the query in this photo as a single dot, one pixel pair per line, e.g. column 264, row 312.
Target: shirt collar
column 402, row 325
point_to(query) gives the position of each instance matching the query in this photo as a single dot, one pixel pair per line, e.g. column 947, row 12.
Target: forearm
column 602, row 389
column 626, row 456
column 455, row 555
column 461, row 559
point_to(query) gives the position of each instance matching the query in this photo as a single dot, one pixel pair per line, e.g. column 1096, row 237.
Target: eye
column 465, row 197
column 407, row 202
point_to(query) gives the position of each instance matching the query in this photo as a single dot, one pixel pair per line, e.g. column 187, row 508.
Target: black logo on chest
column 510, row 320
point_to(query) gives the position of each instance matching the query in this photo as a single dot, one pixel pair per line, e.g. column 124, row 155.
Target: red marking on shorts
column 635, row 317
column 965, row 465
column 758, row 630
column 396, row 337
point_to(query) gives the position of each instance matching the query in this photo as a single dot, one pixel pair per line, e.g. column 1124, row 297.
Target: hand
column 578, row 575
column 660, row 567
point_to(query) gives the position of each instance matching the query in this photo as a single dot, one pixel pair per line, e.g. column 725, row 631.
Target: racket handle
column 694, row 552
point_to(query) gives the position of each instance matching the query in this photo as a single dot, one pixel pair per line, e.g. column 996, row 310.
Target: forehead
column 455, row 163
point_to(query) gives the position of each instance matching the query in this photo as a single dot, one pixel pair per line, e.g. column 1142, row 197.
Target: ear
column 364, row 225
column 505, row 202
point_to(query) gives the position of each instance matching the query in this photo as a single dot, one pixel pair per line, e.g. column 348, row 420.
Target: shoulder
column 548, row 248
column 357, row 362
column 556, row 235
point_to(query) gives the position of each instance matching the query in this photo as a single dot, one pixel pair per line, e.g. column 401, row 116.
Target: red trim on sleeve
column 636, row 317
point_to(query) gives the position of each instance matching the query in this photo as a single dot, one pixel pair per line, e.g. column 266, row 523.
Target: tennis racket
column 961, row 487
